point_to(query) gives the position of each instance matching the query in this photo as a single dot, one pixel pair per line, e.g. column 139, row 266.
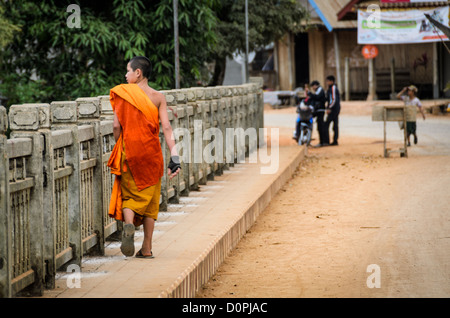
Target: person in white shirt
column 411, row 99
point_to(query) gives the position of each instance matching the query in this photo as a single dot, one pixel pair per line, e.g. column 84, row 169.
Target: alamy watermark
column 374, row 279
column 74, row 20
column 212, row 146
column 74, row 277
column 374, row 19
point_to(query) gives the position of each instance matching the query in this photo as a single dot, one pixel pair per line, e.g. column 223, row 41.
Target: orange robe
column 139, row 119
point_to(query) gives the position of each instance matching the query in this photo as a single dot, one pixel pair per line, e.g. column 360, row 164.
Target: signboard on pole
column 407, row 26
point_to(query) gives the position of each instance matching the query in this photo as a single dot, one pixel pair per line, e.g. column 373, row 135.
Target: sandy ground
column 350, row 223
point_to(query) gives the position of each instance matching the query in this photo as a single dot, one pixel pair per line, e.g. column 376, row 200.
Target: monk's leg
column 127, row 246
column 149, row 226
column 128, row 216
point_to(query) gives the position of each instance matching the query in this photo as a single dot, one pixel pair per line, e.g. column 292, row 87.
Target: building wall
column 316, row 45
column 286, row 62
column 413, row 62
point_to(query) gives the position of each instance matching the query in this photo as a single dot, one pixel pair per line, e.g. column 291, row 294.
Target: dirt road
column 350, row 223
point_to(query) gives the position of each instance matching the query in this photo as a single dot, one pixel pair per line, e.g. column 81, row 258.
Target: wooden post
column 435, row 72
column 338, row 59
column 393, row 94
column 347, row 78
column 372, row 81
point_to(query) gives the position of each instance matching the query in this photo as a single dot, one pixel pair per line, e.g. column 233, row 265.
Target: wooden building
column 330, row 47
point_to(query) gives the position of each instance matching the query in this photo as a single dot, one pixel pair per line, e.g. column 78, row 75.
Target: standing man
column 137, row 159
column 318, row 101
column 333, row 109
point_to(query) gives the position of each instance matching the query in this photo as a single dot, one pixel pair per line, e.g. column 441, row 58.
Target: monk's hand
column 174, row 166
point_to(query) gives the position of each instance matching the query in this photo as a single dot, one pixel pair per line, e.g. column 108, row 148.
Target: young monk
column 137, row 159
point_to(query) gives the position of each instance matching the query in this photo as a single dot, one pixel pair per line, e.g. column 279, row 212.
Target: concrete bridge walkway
column 190, row 241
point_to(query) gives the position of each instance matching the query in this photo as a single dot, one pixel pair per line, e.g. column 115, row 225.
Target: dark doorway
column 301, row 59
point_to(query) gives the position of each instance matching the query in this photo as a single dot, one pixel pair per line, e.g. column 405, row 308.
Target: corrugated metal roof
column 348, row 12
column 328, row 10
column 365, row 3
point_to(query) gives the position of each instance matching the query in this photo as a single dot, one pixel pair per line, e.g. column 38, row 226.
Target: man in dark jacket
column 318, row 99
column 333, row 109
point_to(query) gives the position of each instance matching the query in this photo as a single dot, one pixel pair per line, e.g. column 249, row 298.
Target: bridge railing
column 55, row 185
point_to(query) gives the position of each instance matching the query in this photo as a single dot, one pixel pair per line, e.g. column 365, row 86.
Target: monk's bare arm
column 166, row 127
column 117, row 128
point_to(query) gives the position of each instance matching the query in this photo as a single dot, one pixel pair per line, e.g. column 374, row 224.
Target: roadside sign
column 369, row 51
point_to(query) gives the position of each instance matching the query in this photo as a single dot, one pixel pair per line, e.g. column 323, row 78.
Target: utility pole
column 246, row 42
column 177, row 44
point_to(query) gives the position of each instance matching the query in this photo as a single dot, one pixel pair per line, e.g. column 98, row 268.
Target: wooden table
column 397, row 113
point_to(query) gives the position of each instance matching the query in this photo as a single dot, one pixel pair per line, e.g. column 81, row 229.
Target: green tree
column 269, row 21
column 50, row 61
column 7, row 29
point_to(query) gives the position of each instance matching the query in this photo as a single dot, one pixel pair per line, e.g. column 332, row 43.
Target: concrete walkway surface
column 190, row 240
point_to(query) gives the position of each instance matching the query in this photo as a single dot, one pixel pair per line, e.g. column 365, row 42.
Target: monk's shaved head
column 142, row 63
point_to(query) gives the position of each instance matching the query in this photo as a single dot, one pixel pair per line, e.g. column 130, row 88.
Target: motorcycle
column 304, row 125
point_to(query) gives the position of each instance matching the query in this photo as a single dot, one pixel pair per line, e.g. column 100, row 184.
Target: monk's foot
column 127, row 246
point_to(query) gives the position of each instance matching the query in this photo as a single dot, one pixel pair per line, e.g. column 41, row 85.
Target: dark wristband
column 174, row 164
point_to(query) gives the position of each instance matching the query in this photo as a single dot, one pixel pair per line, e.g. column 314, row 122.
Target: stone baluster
column 197, row 142
column 89, row 110
column 106, row 111
column 204, row 111
column 221, row 120
column 259, row 105
column 210, row 121
column 166, row 191
column 27, row 207
column 64, row 116
column 188, row 156
column 227, row 123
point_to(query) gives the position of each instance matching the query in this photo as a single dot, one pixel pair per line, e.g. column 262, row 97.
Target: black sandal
column 140, row 255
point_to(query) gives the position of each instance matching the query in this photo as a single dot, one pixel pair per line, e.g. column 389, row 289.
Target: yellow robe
column 139, row 170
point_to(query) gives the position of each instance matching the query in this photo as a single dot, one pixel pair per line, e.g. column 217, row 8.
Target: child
column 411, row 100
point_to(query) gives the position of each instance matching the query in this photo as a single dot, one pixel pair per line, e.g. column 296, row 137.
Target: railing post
column 241, row 122
column 183, row 139
column 208, row 122
column 64, row 117
column 5, row 220
column 236, row 121
column 197, row 142
column 166, row 190
column 259, row 105
column 253, row 122
column 48, row 194
column 91, row 175
column 225, row 100
column 191, row 108
column 106, row 111
column 220, row 117
column 111, row 226
column 25, row 121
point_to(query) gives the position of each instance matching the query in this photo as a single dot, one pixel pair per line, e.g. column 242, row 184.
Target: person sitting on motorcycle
column 305, row 111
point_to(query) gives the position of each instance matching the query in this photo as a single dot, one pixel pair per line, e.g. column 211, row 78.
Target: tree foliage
column 7, row 29
column 48, row 60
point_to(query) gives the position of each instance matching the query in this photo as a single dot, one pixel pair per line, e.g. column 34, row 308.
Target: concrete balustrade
column 55, row 185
